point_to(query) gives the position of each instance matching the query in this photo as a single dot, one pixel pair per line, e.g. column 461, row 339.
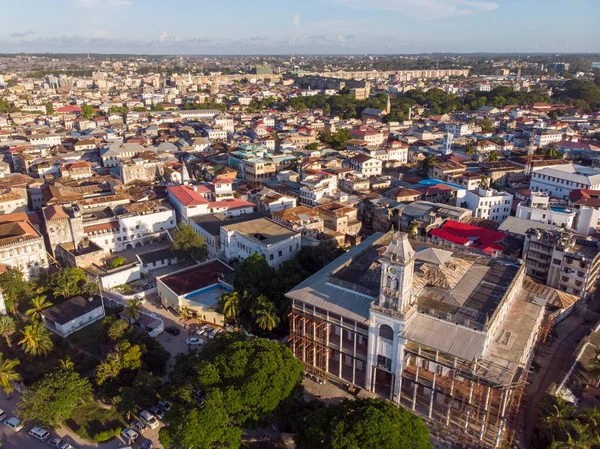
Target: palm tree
column 66, row 364
column 593, row 368
column 8, row 375
column 184, row 313
column 264, row 314
column 36, row 340
column 484, row 182
column 39, row 303
column 558, row 418
column 7, row 328
column 231, row 305
column 133, row 309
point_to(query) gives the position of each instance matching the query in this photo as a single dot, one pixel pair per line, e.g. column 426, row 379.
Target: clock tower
column 397, row 266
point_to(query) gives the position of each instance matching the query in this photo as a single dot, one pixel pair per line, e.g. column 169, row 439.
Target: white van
column 39, row 433
column 149, row 419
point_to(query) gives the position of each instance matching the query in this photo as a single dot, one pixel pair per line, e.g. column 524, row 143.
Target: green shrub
column 106, row 435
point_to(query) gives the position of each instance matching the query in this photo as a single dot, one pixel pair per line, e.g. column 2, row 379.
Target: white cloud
column 163, row 37
column 425, row 9
column 341, row 40
column 98, row 33
column 103, row 4
column 296, row 22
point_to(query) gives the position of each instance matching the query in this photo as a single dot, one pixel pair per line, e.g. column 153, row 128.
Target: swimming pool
column 433, row 181
column 206, row 296
column 561, row 209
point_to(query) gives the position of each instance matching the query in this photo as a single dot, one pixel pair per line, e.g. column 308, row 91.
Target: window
column 271, row 257
column 384, row 362
column 386, row 332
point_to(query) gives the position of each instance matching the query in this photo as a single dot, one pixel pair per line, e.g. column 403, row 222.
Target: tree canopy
column 88, row 111
column 187, row 243
column 52, row 400
column 14, row 287
column 67, row 282
column 363, row 423
column 204, row 427
column 248, row 377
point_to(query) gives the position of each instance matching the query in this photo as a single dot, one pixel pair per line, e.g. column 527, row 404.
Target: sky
column 299, row 26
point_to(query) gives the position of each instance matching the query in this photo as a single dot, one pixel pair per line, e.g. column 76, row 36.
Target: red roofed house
column 188, row 201
column 485, row 240
column 69, row 109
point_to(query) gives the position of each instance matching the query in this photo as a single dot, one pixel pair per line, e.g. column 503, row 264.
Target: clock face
column 392, row 270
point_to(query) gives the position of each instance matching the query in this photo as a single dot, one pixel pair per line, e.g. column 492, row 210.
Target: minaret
column 410, row 113
column 447, row 145
column 185, row 174
column 388, row 106
column 397, row 267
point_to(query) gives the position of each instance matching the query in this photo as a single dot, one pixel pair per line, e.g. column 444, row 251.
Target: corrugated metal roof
column 464, row 343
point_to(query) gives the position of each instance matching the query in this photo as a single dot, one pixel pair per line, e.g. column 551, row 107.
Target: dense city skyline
column 312, row 27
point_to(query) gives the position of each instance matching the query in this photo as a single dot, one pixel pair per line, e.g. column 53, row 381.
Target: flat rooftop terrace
column 196, row 277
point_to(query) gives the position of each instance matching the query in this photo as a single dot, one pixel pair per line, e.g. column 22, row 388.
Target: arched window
column 395, row 284
column 386, row 332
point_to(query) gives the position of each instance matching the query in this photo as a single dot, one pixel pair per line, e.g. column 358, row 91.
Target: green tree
column 187, row 243
column 14, row 287
column 413, row 227
column 363, row 423
column 49, row 108
column 8, row 375
column 118, row 110
column 254, row 276
column 67, row 282
column 123, row 357
column 185, row 313
column 133, row 309
column 38, row 304
column 206, row 427
column 51, row 401
column 484, row 182
column 88, row 111
column 7, row 328
column 492, row 156
column 314, row 146
column 36, row 340
column 253, row 376
column 117, row 330
column 264, row 314
column 553, row 152
column 230, row 304
column 117, row 262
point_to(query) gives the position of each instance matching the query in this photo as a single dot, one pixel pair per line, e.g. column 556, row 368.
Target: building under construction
column 446, row 335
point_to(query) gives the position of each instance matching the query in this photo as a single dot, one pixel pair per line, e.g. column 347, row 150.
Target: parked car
column 146, row 445
column 138, row 426
column 173, row 330
column 14, row 423
column 2, row 415
column 129, row 435
column 159, row 413
column 193, row 341
column 58, row 443
column 166, row 406
column 39, row 433
column 149, row 419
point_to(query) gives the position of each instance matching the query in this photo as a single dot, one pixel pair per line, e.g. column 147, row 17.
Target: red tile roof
column 230, row 204
column 69, row 109
column 483, row 239
column 187, row 196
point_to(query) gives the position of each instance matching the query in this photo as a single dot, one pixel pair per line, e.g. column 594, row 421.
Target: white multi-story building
column 365, row 165
column 225, row 122
column 275, row 242
column 459, row 129
column 21, row 246
column 489, row 204
column 538, row 208
column 560, row 180
column 131, row 226
column 547, row 137
column 315, row 187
